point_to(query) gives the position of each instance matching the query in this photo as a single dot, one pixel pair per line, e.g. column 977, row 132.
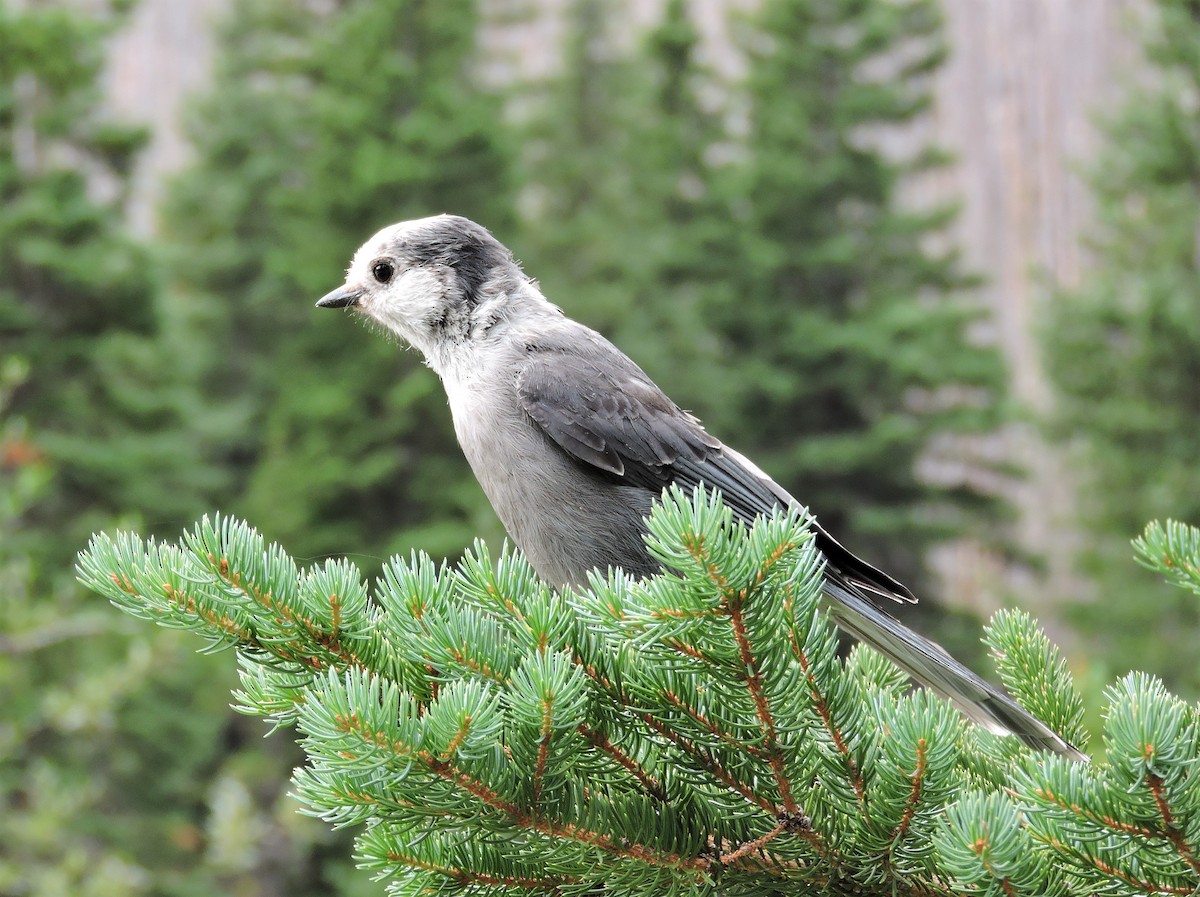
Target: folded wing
column 599, row 407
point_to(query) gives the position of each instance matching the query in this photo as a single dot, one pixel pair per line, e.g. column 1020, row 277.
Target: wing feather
column 603, row 410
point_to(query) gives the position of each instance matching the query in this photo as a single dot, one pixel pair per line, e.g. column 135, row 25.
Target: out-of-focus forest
column 754, row 199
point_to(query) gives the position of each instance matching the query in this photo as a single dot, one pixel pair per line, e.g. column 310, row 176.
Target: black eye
column 382, row 271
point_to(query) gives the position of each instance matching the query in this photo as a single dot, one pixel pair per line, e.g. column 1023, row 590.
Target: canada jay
column 572, row 442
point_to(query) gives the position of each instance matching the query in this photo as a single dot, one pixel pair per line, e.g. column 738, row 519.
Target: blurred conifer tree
column 1124, row 351
column 97, row 407
column 617, row 185
column 105, row 746
column 847, row 332
column 117, row 776
column 323, row 125
column 745, row 242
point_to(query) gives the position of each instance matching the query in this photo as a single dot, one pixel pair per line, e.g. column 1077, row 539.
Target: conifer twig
column 1170, row 830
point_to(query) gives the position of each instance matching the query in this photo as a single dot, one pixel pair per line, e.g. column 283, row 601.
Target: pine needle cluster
column 698, row 732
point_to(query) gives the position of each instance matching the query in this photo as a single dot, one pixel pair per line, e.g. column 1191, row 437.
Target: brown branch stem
column 835, row 733
column 601, row 742
column 914, row 795
column 1171, row 831
column 519, row 817
column 472, row 877
column 753, row 846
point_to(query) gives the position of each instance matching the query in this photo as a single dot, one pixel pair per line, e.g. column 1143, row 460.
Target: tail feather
column 932, row 666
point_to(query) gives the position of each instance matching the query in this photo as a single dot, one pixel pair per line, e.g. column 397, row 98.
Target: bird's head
column 427, row 280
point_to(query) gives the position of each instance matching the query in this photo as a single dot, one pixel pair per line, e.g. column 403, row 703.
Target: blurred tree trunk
column 1017, row 103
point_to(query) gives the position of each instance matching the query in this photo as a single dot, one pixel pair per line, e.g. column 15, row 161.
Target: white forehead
column 386, row 241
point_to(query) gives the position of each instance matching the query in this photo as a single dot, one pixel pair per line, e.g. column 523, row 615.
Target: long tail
column 932, row 666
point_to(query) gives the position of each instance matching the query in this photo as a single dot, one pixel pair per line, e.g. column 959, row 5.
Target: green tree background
column 1124, row 350
column 303, row 152
column 740, row 236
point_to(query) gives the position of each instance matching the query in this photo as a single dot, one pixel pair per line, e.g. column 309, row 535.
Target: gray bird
column 572, row 442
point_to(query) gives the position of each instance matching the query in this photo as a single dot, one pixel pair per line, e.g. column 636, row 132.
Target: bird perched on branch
column 572, row 442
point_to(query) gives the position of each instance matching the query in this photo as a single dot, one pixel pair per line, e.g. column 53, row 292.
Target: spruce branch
column 1036, row 673
column 696, row 732
column 1171, row 549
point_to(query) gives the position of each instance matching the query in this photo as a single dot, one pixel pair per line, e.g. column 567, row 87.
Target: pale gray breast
column 565, row 516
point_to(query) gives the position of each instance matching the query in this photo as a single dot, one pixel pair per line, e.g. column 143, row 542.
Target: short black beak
column 342, row 297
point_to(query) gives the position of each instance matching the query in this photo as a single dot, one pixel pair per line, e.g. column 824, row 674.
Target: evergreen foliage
column 325, row 122
column 1124, row 349
column 696, row 732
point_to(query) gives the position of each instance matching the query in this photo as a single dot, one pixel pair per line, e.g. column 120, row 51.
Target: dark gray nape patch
column 464, row 246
